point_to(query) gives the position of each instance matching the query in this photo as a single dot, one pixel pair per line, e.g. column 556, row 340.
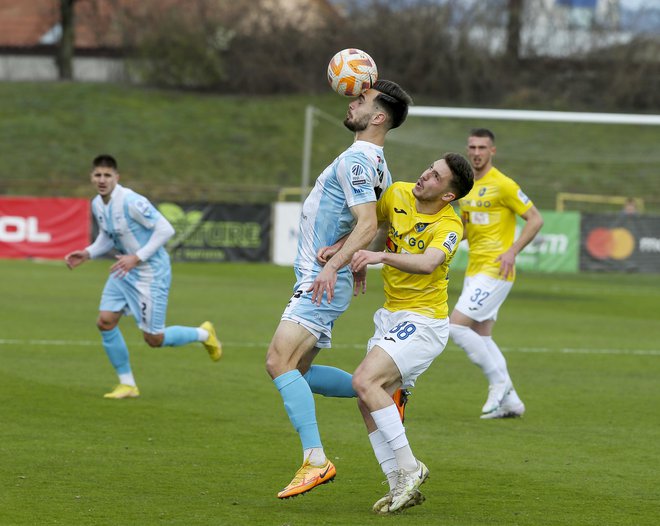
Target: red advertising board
column 34, row 227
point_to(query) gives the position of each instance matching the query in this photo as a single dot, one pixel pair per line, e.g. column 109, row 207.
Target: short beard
column 359, row 125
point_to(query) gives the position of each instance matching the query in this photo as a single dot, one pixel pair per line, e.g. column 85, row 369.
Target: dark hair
column 462, row 173
column 394, row 100
column 105, row 160
column 482, row 132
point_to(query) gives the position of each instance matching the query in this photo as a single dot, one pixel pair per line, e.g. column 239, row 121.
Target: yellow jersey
column 489, row 213
column 412, row 232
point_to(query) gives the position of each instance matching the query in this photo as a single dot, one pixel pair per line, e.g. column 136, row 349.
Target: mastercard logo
column 610, row 243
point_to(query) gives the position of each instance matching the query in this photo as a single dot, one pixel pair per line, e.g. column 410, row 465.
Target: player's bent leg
column 117, row 352
column 330, row 381
column 153, row 340
column 477, row 351
column 299, row 404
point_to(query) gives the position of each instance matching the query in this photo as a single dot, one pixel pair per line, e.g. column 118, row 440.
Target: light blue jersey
column 129, row 220
column 359, row 175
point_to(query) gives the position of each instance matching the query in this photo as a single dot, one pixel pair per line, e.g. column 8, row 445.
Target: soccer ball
column 351, row 72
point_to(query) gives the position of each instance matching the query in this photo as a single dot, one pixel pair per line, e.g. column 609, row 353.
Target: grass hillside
column 224, row 148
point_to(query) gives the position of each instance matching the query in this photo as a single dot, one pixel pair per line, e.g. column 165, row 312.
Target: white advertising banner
column 286, row 220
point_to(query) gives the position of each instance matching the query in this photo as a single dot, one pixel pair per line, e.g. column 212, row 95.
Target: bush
column 443, row 52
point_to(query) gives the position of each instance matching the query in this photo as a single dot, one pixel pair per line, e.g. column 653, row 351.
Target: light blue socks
column 330, row 381
column 176, row 335
column 115, row 348
column 299, row 405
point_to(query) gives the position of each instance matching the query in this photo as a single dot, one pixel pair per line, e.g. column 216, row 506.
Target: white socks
column 127, row 379
column 481, row 352
column 385, row 456
column 202, row 334
column 315, row 455
column 389, row 424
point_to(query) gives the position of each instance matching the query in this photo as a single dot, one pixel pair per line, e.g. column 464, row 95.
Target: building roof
column 98, row 24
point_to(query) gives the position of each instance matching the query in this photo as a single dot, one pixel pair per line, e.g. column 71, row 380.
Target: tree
column 67, row 40
column 514, row 26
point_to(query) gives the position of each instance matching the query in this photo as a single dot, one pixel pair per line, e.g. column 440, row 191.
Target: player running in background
column 412, row 328
column 139, row 280
column 489, row 215
column 341, row 204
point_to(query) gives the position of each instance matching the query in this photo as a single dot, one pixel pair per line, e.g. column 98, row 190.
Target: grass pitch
column 210, row 443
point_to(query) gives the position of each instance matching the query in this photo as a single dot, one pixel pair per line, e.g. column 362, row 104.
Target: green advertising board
column 556, row 248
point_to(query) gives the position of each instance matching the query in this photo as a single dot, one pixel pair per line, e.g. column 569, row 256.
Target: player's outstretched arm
column 424, row 263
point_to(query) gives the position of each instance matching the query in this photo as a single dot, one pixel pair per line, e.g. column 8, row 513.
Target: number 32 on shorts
column 479, row 297
column 403, row 330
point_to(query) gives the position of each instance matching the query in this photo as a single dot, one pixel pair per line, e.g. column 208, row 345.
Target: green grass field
column 227, row 148
column 210, row 443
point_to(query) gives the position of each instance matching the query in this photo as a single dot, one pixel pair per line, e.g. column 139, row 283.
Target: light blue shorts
column 145, row 301
column 318, row 319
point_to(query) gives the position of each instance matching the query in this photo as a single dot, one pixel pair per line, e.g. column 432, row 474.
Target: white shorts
column 482, row 297
column 413, row 341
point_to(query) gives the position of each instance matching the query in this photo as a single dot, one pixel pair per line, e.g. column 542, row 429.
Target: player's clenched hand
column 324, row 282
column 124, row 264
column 325, row 253
column 362, row 258
column 360, row 282
column 507, row 261
column 75, row 258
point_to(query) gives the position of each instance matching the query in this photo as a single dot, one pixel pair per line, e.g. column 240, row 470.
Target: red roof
column 24, row 23
column 99, row 23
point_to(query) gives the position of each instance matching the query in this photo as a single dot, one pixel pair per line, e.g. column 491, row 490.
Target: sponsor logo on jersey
column 419, row 227
column 522, row 196
column 358, row 174
column 482, row 191
column 143, row 207
column 400, row 211
column 450, row 241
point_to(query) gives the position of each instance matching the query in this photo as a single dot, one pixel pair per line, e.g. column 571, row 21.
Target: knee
column 360, row 383
column 153, row 340
column 273, row 362
column 105, row 324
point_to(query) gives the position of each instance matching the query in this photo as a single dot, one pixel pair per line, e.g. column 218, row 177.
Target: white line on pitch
column 361, row 346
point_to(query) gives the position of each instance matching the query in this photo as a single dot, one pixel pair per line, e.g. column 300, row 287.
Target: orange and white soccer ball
column 351, row 72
